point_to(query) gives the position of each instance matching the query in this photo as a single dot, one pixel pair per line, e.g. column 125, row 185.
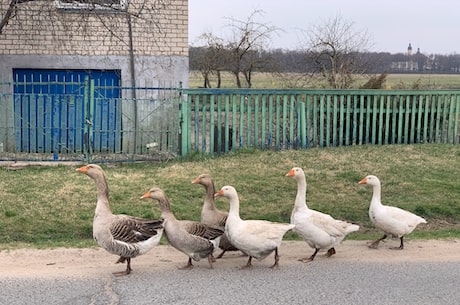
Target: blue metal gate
column 54, row 114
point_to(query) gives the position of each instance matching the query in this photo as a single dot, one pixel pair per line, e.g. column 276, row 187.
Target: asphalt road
column 322, row 282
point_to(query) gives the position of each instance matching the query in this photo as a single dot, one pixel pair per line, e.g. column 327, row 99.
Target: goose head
column 206, row 181
column 227, row 192
column 370, row 180
column 155, row 193
column 202, row 179
column 91, row 170
column 296, row 173
column 159, row 195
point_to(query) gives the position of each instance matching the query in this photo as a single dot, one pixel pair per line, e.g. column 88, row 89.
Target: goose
column 391, row 220
column 123, row 235
column 256, row 238
column 193, row 238
column 212, row 216
column 319, row 230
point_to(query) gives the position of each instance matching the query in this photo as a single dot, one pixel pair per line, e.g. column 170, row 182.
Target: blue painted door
column 52, row 106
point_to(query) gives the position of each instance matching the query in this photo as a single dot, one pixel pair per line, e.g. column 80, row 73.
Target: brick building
column 50, row 49
column 144, row 41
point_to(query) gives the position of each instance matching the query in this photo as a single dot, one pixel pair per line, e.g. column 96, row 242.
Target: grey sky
column 432, row 26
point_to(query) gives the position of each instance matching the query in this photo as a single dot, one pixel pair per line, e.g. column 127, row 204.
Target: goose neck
column 165, row 206
column 103, row 206
column 234, row 207
column 209, row 198
column 301, row 196
column 376, row 195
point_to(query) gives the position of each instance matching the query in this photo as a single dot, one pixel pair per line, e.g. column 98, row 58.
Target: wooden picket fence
column 220, row 120
column 162, row 123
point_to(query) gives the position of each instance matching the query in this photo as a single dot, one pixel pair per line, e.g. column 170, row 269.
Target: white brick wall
column 39, row 28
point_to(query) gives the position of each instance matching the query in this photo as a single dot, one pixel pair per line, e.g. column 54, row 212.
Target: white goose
column 391, row 220
column 193, row 238
column 122, row 235
column 256, row 238
column 319, row 230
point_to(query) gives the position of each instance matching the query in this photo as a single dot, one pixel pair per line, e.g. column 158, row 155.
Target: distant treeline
column 301, row 62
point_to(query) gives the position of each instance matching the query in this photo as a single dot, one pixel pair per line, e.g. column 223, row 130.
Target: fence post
column 185, row 126
column 302, row 125
column 456, row 119
column 89, row 113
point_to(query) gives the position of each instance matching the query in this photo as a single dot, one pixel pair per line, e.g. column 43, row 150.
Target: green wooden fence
column 160, row 123
column 220, row 120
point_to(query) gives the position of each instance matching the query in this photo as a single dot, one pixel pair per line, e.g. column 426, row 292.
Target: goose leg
column 309, row 259
column 221, row 254
column 128, row 266
column 277, row 258
column 121, row 260
column 188, row 266
column 401, row 246
column 330, row 252
column 211, row 259
column 248, row 264
column 375, row 243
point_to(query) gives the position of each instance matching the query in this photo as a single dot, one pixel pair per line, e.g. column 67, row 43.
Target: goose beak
column 146, row 195
column 82, row 169
column 363, row 181
column 196, row 181
column 219, row 193
column 291, row 173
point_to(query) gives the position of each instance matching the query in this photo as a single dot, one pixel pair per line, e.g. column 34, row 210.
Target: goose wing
column 402, row 215
column 328, row 224
column 265, row 229
column 132, row 229
column 398, row 221
column 221, row 218
column 201, row 229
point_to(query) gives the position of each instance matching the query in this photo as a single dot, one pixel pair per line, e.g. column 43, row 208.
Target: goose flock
column 129, row 236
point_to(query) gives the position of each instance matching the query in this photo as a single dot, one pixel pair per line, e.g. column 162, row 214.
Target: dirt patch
column 96, row 262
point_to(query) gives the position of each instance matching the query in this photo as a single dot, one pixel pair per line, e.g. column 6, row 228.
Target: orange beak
column 291, row 173
column 219, row 193
column 82, row 169
column 363, row 181
column 146, row 195
column 196, row 181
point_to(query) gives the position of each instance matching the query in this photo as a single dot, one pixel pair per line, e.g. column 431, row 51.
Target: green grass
column 54, row 206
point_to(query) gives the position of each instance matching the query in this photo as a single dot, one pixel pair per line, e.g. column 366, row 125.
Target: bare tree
column 241, row 53
column 210, row 60
column 248, row 39
column 335, row 49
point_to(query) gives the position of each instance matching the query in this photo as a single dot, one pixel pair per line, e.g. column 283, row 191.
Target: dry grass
column 290, row 80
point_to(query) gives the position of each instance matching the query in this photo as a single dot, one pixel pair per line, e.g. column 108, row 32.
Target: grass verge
column 54, row 206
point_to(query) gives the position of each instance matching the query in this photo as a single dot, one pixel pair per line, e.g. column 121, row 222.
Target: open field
column 285, row 81
column 44, row 206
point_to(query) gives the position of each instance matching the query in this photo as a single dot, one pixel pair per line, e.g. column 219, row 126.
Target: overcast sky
column 433, row 26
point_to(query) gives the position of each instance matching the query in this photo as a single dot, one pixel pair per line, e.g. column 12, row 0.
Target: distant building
column 411, row 62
